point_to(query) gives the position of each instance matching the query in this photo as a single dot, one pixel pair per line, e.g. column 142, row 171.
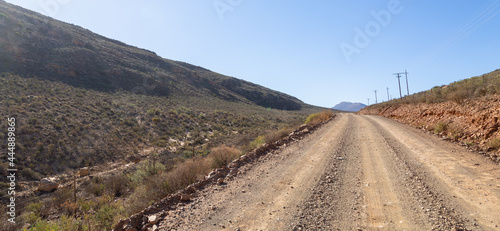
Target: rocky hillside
column 34, row 45
column 466, row 112
column 81, row 99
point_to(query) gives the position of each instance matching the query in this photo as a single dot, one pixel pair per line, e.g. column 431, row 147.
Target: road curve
column 355, row 173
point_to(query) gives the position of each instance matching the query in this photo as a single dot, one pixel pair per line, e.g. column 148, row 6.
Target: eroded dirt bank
column 473, row 123
column 355, row 173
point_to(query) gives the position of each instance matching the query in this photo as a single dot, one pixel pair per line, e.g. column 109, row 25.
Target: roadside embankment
column 472, row 123
column 149, row 216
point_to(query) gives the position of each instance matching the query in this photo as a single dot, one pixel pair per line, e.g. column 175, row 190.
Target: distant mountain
column 348, row 106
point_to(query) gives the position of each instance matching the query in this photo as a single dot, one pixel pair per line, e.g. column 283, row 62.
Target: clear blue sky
column 300, row 47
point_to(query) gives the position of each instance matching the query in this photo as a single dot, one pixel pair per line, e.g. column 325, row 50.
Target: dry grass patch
column 223, row 155
column 440, row 127
column 187, row 173
column 319, row 117
column 277, row 135
column 494, row 143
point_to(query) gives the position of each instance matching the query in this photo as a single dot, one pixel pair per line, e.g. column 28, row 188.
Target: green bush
column 146, row 169
column 154, row 111
column 259, row 141
column 35, row 210
column 30, row 174
column 104, row 217
column 43, row 225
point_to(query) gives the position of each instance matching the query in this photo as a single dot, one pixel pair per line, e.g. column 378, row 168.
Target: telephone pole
column 399, row 82
column 388, row 98
column 376, row 101
column 368, row 101
column 407, row 88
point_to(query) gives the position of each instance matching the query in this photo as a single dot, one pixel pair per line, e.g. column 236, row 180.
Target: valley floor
column 355, row 173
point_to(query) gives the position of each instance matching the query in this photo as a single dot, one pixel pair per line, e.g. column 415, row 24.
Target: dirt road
column 355, row 173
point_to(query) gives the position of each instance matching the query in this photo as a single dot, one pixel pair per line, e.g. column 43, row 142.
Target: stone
column 185, row 197
column 84, row 172
column 46, row 185
column 129, row 228
column 220, row 181
column 152, row 219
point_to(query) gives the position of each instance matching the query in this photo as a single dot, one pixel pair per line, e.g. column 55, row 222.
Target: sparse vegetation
column 90, row 101
column 458, row 92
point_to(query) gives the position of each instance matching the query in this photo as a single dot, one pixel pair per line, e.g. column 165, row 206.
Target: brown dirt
column 473, row 122
column 354, row 173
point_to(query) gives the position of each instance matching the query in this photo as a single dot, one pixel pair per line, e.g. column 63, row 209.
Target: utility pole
column 399, row 82
column 368, row 101
column 388, row 98
column 376, row 101
column 407, row 88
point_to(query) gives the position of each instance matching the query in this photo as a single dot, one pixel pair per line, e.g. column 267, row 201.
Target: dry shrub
column 61, row 195
column 69, row 208
column 494, row 143
column 223, row 155
column 117, row 185
column 319, row 117
column 440, row 127
column 187, row 173
column 277, row 135
column 458, row 96
column 140, row 199
column 455, row 131
column 158, row 186
column 95, row 187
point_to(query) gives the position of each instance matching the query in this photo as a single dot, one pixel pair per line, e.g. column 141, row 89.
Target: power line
column 399, row 82
column 388, row 98
column 407, row 88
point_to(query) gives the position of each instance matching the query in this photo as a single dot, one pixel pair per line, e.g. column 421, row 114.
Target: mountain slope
column 81, row 99
column 348, row 106
column 72, row 55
